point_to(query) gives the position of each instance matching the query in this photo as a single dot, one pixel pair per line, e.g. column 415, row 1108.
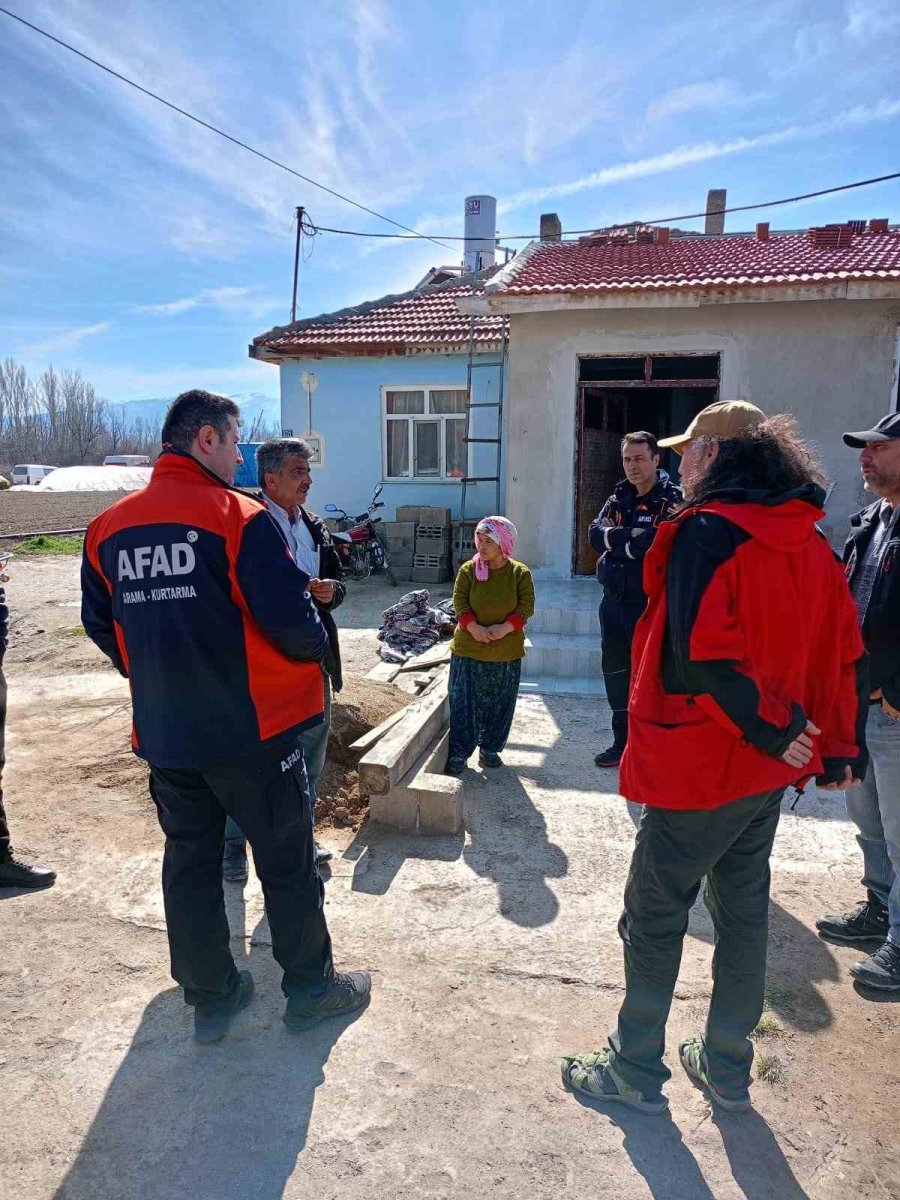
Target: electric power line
column 525, row 237
column 212, row 128
column 410, row 234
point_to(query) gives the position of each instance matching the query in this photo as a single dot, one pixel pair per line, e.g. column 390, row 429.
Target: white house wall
column 830, row 363
column 347, row 411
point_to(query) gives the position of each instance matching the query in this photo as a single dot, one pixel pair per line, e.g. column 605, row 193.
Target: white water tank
column 480, row 232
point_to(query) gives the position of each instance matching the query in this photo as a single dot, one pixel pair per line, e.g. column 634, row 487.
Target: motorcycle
column 359, row 546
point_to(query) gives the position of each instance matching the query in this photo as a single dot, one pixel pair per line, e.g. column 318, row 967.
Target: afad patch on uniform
column 292, row 759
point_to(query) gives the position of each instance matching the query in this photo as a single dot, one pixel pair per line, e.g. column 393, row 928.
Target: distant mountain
column 250, row 403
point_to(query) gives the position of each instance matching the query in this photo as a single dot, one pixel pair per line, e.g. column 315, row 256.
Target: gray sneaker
column 344, row 994
column 880, row 970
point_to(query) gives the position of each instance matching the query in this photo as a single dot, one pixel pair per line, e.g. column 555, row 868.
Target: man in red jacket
column 189, row 588
column 750, row 676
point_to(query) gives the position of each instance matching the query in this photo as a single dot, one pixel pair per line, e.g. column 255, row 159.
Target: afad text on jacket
column 190, row 590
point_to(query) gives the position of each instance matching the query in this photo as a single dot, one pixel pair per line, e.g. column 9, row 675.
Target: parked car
column 30, row 473
column 127, row 460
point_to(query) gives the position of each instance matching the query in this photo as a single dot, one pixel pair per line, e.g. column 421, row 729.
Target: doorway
column 659, row 393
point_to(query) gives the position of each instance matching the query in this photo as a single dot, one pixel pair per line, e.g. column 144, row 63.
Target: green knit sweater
column 506, row 595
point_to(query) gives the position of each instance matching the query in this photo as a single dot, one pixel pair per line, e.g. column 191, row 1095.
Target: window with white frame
column 424, row 433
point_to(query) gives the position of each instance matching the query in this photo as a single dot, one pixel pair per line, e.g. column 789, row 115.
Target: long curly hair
column 771, row 457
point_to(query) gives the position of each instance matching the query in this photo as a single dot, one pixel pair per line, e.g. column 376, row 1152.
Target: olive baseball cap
column 724, row 419
column 888, row 427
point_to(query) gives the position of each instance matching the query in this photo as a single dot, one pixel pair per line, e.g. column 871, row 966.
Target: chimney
column 551, row 228
column 662, row 237
column 879, row 225
column 762, row 231
column 715, row 211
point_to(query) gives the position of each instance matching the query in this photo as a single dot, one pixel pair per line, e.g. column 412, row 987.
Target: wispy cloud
column 683, row 156
column 233, row 301
column 868, row 19
column 691, row 97
column 67, row 339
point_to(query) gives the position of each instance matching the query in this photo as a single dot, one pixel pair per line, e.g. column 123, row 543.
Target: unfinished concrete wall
column 829, row 362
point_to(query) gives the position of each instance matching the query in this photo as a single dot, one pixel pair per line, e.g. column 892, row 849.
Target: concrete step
column 582, row 622
column 561, row 654
column 572, row 685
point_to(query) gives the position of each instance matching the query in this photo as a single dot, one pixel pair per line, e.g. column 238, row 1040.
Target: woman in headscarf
column 493, row 597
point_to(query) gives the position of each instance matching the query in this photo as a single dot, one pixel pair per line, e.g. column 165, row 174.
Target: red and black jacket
column 749, row 631
column 188, row 587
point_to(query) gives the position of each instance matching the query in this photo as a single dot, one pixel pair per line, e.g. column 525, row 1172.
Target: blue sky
column 147, row 252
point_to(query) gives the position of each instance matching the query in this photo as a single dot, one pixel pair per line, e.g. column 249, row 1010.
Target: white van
column 30, row 473
column 127, row 460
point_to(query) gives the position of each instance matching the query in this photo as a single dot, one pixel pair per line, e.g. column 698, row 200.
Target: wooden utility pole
column 300, row 211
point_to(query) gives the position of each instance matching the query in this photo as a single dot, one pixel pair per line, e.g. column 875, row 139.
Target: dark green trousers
column 673, row 851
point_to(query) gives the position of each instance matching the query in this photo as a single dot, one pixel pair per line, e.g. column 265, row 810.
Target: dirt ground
column 42, row 512
column 492, row 952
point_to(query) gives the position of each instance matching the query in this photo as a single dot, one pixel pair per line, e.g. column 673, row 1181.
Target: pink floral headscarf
column 501, row 531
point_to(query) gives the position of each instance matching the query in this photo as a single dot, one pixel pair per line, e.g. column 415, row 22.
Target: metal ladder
column 497, row 404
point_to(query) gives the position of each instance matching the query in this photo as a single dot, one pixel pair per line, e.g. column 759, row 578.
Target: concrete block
column 425, row 801
column 398, row 808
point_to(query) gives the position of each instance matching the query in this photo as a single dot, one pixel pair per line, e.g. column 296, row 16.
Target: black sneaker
column 212, row 1026
column 489, row 758
column 868, row 922
column 455, row 766
column 608, row 758
column 880, row 970
column 323, row 854
column 16, row 874
column 234, row 863
column 345, row 994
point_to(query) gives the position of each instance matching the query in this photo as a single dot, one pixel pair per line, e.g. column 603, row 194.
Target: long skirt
column 482, row 704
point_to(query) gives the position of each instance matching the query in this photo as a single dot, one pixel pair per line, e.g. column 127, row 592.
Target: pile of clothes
column 412, row 626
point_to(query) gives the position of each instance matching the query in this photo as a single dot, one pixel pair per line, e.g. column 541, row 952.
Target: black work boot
column 611, row 757
column 211, row 1026
column 344, row 994
column 16, row 874
column 868, row 922
column 880, row 970
column 234, row 863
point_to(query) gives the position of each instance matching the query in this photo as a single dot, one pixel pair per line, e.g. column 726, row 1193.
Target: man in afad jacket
column 282, row 466
column 622, row 534
column 190, row 590
column 872, row 558
column 750, row 675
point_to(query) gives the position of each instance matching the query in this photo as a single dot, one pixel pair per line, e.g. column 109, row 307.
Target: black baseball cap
column 888, row 427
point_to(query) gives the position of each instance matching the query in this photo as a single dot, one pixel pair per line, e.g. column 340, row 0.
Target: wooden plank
column 368, row 740
column 384, row 671
column 431, row 658
column 382, row 767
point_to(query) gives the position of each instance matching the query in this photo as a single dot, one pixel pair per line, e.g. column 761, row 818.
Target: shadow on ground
column 507, row 843
column 203, row 1122
column 671, row 1172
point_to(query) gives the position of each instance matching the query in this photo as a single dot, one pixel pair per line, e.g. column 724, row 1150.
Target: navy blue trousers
column 482, row 704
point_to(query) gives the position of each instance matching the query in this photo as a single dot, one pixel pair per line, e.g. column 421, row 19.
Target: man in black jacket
column 622, row 534
column 13, row 872
column 872, row 558
column 284, row 476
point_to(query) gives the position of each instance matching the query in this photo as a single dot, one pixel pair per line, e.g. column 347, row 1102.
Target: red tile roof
column 426, row 319
column 602, row 263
